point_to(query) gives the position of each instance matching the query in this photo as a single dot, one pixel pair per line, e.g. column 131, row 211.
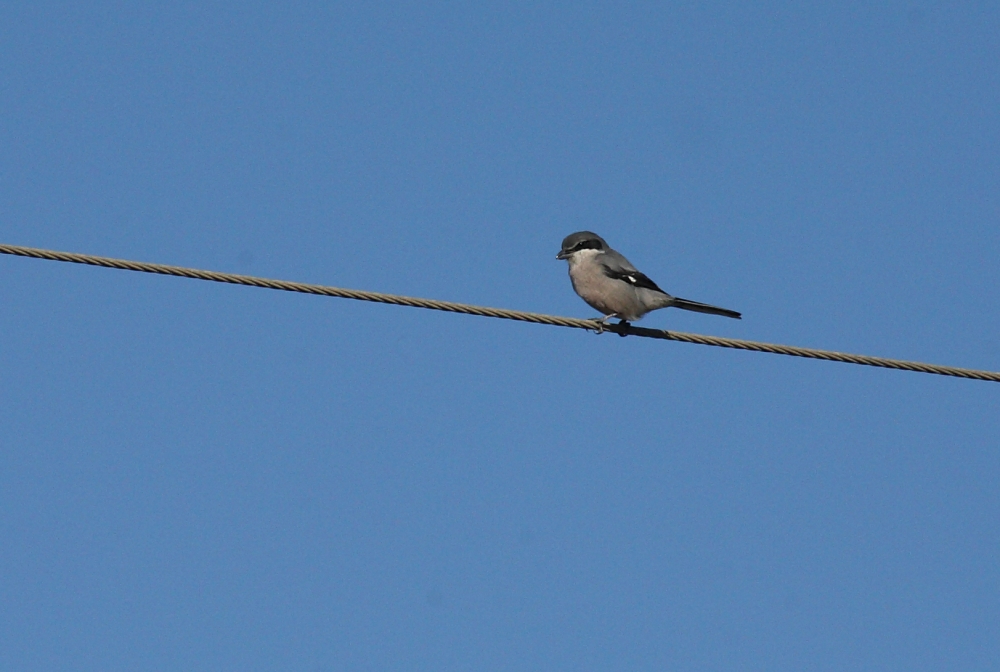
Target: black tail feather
column 704, row 308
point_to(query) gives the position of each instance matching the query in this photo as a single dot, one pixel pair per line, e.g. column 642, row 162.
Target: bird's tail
column 704, row 308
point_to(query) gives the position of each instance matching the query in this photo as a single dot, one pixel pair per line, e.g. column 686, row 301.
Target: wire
column 536, row 318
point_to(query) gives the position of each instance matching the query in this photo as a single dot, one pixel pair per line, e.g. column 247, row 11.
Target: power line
column 537, row 318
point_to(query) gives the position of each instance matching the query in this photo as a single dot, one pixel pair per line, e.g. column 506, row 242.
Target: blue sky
column 198, row 476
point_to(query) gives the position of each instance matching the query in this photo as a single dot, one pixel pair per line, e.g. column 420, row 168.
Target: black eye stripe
column 587, row 245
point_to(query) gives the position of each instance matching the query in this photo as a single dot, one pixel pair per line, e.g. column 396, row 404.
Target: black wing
column 634, row 278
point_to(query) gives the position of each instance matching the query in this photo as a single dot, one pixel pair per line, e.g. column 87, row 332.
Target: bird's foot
column 602, row 322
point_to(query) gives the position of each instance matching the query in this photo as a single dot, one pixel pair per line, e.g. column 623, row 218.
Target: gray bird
column 610, row 284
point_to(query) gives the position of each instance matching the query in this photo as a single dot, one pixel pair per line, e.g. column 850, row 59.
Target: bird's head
column 581, row 242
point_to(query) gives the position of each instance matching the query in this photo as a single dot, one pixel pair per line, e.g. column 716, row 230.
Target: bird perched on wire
column 610, row 284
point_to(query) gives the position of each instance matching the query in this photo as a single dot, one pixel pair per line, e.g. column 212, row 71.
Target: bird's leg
column 603, row 322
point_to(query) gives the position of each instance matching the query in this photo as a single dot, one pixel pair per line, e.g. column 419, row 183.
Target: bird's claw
column 602, row 323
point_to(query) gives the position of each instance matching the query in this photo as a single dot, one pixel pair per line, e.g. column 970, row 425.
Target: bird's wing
column 618, row 267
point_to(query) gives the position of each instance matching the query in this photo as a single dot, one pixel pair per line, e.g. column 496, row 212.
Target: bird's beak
column 563, row 254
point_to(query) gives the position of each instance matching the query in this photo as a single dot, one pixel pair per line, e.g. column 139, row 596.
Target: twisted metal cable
column 484, row 311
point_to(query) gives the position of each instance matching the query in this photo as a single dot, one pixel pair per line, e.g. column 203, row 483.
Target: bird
column 609, row 283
